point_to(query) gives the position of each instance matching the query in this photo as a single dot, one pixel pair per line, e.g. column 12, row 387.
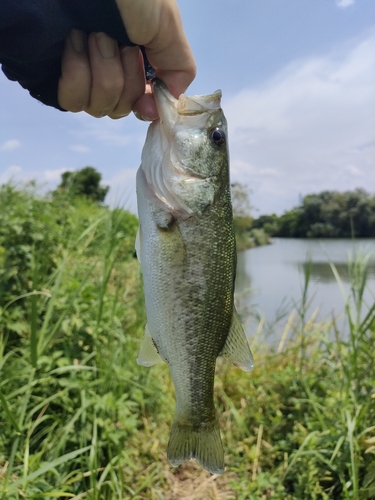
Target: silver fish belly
column 186, row 248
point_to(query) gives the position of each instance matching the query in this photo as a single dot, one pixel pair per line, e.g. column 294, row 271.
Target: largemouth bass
column 187, row 251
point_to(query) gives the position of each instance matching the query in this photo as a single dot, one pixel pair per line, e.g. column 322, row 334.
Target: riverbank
column 247, row 238
column 80, row 419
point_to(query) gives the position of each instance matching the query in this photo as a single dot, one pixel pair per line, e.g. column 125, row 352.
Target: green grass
column 80, row 419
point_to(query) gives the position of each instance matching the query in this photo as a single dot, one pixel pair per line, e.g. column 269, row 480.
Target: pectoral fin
column 138, row 245
column 148, row 354
column 236, row 348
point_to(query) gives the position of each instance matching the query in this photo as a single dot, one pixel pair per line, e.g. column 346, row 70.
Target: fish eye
column 218, row 136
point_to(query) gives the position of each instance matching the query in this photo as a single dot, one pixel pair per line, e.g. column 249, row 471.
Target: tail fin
column 204, row 445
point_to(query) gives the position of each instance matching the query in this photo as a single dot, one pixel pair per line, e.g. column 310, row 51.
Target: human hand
column 104, row 80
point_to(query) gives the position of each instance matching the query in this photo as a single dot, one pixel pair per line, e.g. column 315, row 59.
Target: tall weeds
column 69, row 393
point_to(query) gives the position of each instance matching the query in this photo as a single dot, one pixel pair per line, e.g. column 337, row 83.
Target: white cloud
column 107, row 131
column 309, row 128
column 353, row 170
column 122, row 185
column 79, row 148
column 10, row 145
column 11, row 173
column 53, row 176
column 46, row 179
column 344, row 3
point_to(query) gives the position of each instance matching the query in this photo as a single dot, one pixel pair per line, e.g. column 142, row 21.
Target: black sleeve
column 32, row 35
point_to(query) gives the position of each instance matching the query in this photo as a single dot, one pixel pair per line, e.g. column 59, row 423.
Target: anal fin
column 236, row 347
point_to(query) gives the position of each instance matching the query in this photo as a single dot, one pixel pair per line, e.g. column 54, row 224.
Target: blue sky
column 298, row 82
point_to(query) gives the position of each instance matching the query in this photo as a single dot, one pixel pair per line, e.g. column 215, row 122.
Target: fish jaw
column 172, row 110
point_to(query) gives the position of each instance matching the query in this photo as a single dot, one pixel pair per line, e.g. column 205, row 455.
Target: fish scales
column 186, row 247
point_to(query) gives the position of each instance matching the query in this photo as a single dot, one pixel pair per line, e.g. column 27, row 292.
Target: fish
column 187, row 252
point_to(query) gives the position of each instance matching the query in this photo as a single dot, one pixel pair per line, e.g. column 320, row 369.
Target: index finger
column 157, row 25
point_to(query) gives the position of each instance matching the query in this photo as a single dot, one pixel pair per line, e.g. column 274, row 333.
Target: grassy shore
column 80, row 419
column 247, row 238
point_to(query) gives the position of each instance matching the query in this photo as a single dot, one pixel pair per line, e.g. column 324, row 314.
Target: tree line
column 328, row 214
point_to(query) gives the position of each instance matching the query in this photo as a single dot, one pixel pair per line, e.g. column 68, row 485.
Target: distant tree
column 84, row 182
column 270, row 223
column 338, row 214
column 322, row 230
column 241, row 200
column 241, row 214
column 326, row 214
column 290, row 224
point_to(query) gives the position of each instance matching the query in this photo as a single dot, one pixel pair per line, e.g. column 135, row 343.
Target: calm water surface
column 270, row 279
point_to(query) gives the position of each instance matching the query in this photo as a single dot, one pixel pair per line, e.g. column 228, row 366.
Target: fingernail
column 131, row 61
column 117, row 117
column 106, row 46
column 141, row 117
column 78, row 41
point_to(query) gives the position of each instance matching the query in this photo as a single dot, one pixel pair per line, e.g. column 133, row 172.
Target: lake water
column 270, row 279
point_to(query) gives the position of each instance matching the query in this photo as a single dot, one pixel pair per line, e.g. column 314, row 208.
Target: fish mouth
column 172, row 110
column 175, row 178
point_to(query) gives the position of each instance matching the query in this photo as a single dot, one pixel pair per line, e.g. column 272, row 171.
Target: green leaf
column 47, row 467
column 9, row 413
